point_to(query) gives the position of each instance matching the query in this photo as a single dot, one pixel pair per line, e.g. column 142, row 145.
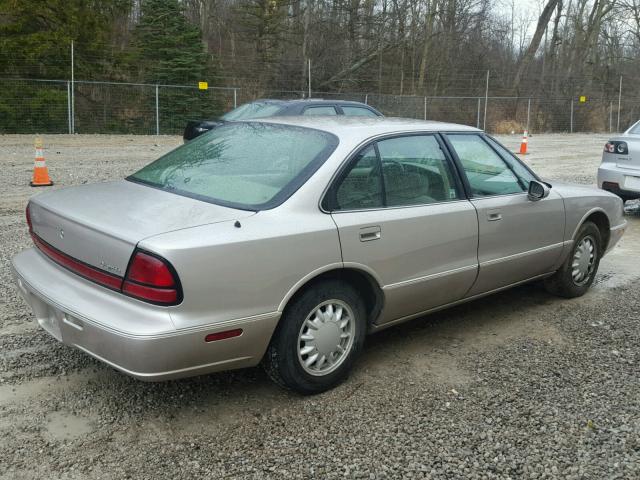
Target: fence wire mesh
column 59, row 106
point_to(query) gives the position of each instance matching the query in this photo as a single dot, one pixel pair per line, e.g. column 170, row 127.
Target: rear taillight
column 152, row 279
column 620, row 148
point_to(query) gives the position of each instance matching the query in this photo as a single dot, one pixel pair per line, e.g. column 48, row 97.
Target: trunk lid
column 632, row 159
column 101, row 224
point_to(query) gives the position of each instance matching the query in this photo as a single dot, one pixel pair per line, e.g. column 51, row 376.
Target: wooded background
column 432, row 48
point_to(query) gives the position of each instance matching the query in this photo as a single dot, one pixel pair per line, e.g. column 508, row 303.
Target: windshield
column 635, row 129
column 248, row 165
column 252, row 110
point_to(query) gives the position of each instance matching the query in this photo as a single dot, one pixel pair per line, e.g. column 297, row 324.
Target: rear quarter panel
column 581, row 202
column 230, row 273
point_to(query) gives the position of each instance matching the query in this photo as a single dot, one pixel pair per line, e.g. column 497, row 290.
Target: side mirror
column 538, row 190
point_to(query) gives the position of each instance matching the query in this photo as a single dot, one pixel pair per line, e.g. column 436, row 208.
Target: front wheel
column 318, row 338
column 577, row 273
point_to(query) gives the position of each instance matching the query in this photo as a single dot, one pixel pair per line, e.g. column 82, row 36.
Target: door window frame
column 463, row 174
column 345, row 168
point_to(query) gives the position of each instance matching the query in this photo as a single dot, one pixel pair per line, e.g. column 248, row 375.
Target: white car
column 619, row 172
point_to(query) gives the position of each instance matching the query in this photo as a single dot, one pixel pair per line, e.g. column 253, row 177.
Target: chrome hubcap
column 584, row 258
column 326, row 337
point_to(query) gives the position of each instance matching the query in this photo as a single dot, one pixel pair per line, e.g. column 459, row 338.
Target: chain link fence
column 60, row 106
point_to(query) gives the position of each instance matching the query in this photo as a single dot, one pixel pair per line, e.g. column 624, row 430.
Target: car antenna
column 237, row 224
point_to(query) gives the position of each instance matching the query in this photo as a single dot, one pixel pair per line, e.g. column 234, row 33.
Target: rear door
column 401, row 214
column 519, row 238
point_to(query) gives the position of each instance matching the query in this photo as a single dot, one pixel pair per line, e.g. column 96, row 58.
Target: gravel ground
column 516, row 385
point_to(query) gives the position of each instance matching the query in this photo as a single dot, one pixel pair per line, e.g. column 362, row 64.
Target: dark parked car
column 272, row 108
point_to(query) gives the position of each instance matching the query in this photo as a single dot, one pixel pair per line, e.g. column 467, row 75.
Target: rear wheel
column 577, row 273
column 318, row 338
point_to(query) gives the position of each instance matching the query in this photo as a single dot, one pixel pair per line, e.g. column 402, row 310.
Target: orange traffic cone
column 523, row 145
column 40, row 172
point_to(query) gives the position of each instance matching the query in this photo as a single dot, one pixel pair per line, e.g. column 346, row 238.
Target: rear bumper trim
column 151, row 356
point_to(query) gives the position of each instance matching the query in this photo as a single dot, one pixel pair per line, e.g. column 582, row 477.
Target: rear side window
column 357, row 112
column 486, row 172
column 252, row 110
column 247, row 165
column 320, row 111
column 415, row 171
column 361, row 187
column 400, row 171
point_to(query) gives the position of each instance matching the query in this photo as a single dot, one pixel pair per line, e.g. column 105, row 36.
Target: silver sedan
column 619, row 172
column 287, row 240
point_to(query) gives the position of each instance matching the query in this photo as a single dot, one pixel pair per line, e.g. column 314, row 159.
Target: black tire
column 282, row 362
column 562, row 282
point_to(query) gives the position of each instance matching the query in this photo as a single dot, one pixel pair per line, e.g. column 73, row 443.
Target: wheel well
column 601, row 221
column 364, row 284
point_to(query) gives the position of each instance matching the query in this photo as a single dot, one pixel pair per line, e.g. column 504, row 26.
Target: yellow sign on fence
column 583, row 99
column 203, row 85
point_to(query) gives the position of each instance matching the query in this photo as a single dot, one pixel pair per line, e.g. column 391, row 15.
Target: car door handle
column 494, row 216
column 370, row 233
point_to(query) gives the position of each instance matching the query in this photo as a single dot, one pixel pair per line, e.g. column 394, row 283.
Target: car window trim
column 347, row 163
column 467, row 185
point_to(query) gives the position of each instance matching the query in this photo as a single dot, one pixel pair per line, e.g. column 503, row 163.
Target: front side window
column 252, row 110
column 520, row 170
column 320, row 111
column 357, row 111
column 487, row 173
column 247, row 165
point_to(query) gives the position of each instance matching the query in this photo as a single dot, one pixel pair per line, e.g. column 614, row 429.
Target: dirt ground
column 516, row 385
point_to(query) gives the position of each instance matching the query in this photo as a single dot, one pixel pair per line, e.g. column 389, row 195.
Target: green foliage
column 35, row 36
column 166, row 48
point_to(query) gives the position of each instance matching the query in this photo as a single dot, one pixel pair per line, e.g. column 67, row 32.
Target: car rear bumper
column 619, row 181
column 93, row 319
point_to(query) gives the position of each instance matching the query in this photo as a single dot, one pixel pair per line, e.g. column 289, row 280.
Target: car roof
column 366, row 127
column 297, row 101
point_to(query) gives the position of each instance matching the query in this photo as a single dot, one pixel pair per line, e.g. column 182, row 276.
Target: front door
column 401, row 215
column 518, row 238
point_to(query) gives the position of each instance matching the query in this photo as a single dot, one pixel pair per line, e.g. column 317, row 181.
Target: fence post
column 157, row 113
column 571, row 118
column 479, row 106
column 235, row 98
column 425, row 108
column 619, row 103
column 528, row 113
column 69, row 105
column 486, row 100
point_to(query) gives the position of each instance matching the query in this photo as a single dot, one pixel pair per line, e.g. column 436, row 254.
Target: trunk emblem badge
column 61, row 233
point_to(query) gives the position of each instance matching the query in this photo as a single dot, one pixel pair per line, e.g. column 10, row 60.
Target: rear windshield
column 252, row 110
column 247, row 165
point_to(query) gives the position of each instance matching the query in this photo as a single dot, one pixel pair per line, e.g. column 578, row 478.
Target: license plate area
column 631, row 183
